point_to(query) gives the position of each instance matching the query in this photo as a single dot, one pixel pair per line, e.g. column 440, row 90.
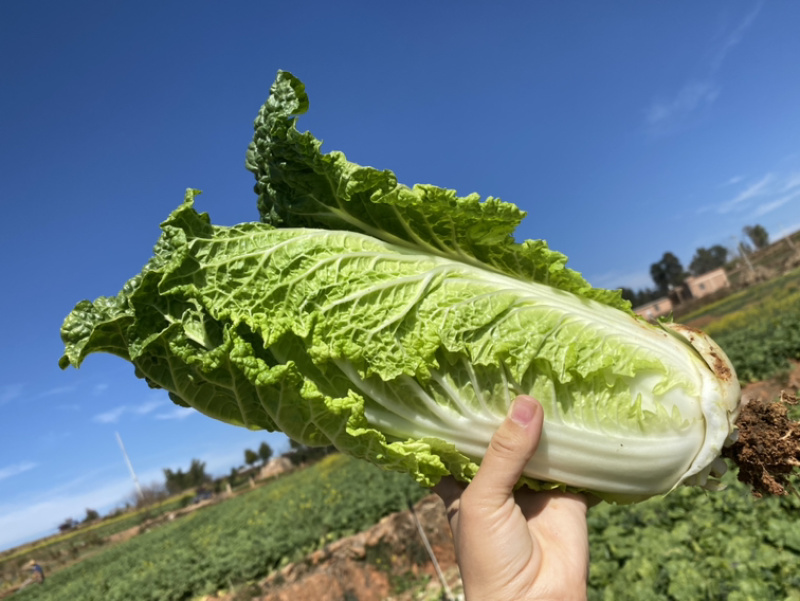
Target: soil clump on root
column 768, row 448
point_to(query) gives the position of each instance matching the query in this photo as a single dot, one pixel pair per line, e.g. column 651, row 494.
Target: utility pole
column 130, row 466
column 743, row 253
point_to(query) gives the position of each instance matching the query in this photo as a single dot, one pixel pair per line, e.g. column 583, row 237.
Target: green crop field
column 696, row 545
column 69, row 547
column 237, row 541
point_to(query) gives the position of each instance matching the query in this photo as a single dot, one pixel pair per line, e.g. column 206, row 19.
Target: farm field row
column 240, row 540
column 697, row 545
column 62, row 549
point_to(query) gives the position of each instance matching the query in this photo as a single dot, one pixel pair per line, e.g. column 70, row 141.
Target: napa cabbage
column 398, row 323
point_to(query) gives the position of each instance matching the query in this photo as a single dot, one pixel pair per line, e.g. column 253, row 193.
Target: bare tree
column 151, row 494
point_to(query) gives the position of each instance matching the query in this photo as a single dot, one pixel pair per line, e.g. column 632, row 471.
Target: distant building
column 275, row 467
column 657, row 308
column 698, row 287
column 707, row 283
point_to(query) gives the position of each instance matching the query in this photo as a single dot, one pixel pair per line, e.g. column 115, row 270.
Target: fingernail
column 522, row 410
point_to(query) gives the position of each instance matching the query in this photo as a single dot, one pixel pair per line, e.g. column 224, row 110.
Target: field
column 694, row 545
column 237, row 541
column 690, row 545
column 64, row 549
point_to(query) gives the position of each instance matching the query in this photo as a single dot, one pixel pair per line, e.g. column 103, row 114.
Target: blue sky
column 625, row 129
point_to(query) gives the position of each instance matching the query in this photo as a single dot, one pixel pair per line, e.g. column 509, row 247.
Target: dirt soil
column 768, row 448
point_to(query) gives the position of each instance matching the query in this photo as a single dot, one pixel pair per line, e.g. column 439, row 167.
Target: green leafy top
column 298, row 186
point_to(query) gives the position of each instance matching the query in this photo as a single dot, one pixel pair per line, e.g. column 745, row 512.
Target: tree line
column 175, row 482
column 668, row 273
column 197, row 478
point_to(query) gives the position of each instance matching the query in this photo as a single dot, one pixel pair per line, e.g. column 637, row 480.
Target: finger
column 512, row 446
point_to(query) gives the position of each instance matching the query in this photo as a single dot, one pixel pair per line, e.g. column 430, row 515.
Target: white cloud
column 768, row 207
column 698, row 92
column 732, row 181
column 769, row 193
column 114, row 415
column 734, row 38
column 19, row 468
column 55, row 391
column 176, row 413
column 757, row 189
column 792, row 181
column 146, row 408
column 110, row 417
column 691, row 97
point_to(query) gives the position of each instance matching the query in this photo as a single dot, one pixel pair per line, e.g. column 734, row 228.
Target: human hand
column 521, row 545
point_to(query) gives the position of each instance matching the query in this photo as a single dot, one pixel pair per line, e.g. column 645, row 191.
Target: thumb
column 512, row 446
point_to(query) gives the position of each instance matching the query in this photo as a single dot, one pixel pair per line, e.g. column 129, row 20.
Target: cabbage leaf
column 398, row 323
